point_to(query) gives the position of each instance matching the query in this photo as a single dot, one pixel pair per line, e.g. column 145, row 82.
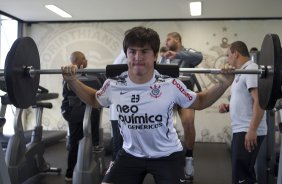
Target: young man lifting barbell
column 145, row 101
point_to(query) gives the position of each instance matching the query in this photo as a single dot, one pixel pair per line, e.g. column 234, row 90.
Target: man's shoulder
column 119, row 79
column 251, row 65
column 190, row 50
column 163, row 79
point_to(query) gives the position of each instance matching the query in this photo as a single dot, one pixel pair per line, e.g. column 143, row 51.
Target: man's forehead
column 138, row 47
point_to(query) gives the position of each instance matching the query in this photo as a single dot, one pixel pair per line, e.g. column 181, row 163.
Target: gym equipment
column 273, row 173
column 22, row 72
column 48, row 136
column 86, row 169
column 266, row 159
column 89, row 167
column 4, row 175
column 269, row 167
column 25, row 161
column 269, row 87
column 4, row 139
column 279, row 177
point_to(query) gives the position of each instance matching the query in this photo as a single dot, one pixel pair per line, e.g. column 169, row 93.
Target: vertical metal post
column 279, row 176
column 266, row 157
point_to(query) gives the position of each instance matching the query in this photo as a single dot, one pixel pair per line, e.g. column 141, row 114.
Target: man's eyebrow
column 143, row 49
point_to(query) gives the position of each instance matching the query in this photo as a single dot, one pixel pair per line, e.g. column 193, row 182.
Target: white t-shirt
column 145, row 112
column 121, row 59
column 241, row 103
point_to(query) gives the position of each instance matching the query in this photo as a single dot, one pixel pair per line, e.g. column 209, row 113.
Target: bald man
column 73, row 111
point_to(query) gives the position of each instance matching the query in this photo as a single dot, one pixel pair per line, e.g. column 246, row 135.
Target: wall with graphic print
column 102, row 42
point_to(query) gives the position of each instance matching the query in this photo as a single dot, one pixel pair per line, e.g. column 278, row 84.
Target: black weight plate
column 22, row 88
column 269, row 88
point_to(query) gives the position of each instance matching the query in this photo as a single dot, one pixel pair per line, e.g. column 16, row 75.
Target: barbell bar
column 31, row 72
column 259, row 71
column 22, row 72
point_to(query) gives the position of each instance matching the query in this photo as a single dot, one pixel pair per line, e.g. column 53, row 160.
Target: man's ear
column 177, row 40
column 237, row 54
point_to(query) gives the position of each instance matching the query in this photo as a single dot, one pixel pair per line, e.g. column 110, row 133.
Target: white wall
column 101, row 42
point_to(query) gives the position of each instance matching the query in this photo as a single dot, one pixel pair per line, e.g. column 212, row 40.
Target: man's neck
column 179, row 48
column 242, row 61
column 140, row 79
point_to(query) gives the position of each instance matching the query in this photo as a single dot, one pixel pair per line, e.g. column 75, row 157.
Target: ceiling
column 113, row 10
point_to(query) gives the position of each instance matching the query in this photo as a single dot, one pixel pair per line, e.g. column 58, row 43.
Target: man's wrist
column 71, row 79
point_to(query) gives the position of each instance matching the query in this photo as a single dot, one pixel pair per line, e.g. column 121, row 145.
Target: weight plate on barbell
column 269, row 87
column 22, row 88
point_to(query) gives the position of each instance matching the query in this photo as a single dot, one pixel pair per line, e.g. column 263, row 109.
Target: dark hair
column 140, row 36
column 163, row 49
column 175, row 35
column 253, row 49
column 240, row 47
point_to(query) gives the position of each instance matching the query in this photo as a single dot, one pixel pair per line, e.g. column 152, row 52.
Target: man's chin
column 138, row 69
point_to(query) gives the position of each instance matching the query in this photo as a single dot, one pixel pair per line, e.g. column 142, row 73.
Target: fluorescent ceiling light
column 58, row 11
column 196, row 8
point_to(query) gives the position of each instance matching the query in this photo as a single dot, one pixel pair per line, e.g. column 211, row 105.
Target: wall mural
column 102, row 42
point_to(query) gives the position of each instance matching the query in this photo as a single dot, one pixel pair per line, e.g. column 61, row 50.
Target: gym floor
column 212, row 164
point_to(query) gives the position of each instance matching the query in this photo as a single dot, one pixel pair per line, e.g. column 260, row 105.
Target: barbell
column 22, row 72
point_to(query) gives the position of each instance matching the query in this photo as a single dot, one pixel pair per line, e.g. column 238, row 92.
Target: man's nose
column 138, row 55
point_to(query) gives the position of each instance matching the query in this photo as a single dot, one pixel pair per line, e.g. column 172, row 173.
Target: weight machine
column 26, row 160
column 90, row 163
column 24, row 154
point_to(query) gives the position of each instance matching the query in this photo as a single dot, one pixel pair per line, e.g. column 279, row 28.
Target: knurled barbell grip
column 32, row 72
column 219, row 71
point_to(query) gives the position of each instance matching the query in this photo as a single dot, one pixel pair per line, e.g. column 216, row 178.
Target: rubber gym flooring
column 211, row 160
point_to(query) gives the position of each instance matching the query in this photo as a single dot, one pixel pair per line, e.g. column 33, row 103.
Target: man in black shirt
column 73, row 112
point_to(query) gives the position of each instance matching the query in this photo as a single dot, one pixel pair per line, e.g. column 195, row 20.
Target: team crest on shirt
column 155, row 91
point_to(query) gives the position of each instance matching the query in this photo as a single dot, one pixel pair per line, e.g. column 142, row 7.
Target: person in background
column 248, row 119
column 163, row 60
column 254, row 54
column 72, row 109
column 185, row 58
column 144, row 100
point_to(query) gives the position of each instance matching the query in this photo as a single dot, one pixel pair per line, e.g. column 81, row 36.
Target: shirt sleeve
column 184, row 97
column 103, row 95
column 251, row 80
column 190, row 58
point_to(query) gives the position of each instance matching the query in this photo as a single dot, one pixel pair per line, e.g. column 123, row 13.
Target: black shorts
column 243, row 162
column 128, row 169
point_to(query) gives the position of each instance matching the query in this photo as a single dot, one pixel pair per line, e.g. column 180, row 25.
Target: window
column 8, row 34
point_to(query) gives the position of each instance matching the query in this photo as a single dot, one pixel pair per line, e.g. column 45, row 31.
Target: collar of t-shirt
column 246, row 64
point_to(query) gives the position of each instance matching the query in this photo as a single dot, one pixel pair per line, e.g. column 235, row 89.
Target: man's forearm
column 208, row 97
column 258, row 113
column 84, row 92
